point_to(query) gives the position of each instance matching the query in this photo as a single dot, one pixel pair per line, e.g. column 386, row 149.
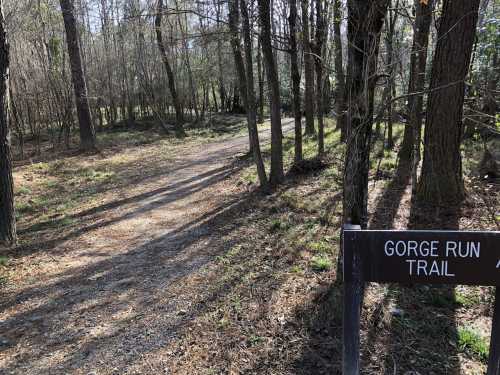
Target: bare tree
column 251, row 108
column 308, row 69
column 318, row 60
column 276, row 174
column 295, row 76
column 364, row 25
column 87, row 133
column 340, row 93
column 171, row 80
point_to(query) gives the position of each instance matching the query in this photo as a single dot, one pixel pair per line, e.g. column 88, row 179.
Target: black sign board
column 432, row 257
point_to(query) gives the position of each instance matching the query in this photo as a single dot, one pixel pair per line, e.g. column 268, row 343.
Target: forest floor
column 159, row 256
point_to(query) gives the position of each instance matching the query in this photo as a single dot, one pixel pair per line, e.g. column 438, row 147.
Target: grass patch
column 466, row 299
column 4, row 260
column 472, row 343
column 320, row 247
column 23, row 190
column 321, row 263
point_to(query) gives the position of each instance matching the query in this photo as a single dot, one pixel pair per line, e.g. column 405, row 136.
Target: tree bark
column 340, row 94
column 7, row 215
column 365, row 22
column 318, row 60
column 409, row 153
column 87, row 133
column 234, row 21
column 187, row 60
column 251, row 108
column 308, row 70
column 179, row 118
column 390, row 87
column 260, row 77
column 295, row 77
column 222, row 88
column 276, row 174
column 441, row 178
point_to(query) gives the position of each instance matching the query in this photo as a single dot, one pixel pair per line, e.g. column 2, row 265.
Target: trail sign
column 431, row 257
column 442, row 257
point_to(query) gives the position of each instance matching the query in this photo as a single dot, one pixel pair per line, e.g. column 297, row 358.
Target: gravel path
column 112, row 293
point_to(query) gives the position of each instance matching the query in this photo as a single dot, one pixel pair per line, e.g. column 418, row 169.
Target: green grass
column 320, row 247
column 22, row 190
column 471, row 342
column 466, row 299
column 321, row 263
column 3, row 260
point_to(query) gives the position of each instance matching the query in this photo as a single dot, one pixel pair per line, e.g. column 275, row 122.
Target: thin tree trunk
column 222, row 89
column 276, row 174
column 171, row 80
column 389, row 42
column 7, row 214
column 234, row 21
column 318, row 59
column 340, row 94
column 409, row 154
column 441, row 179
column 260, row 74
column 295, row 76
column 364, row 26
column 87, row 133
column 187, row 60
column 251, row 109
column 308, row 70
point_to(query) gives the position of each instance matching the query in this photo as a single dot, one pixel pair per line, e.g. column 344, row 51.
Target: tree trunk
column 389, row 42
column 295, row 77
column 308, row 70
column 251, row 108
column 234, row 21
column 276, row 174
column 187, row 60
column 222, row 88
column 340, row 95
column 364, row 24
column 441, row 178
column 179, row 118
column 87, row 133
column 260, row 74
column 318, row 59
column 7, row 215
column 409, row 153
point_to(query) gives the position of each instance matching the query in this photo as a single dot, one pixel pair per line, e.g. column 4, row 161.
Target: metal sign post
column 430, row 257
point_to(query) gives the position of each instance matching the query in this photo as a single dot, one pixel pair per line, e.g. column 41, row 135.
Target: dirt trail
column 109, row 294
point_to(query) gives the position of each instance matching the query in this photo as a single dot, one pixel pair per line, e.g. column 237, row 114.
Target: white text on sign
column 426, row 249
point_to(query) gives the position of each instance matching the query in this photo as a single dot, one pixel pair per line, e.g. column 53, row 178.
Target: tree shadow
column 418, row 321
column 112, row 301
column 389, row 202
column 403, row 328
column 103, row 216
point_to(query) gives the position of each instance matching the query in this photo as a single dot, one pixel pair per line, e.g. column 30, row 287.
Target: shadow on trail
column 389, row 202
column 98, row 217
column 113, row 301
column 412, row 329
